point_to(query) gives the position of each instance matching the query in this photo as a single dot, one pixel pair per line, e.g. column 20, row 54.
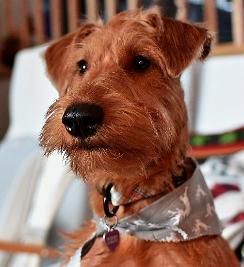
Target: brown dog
column 121, row 120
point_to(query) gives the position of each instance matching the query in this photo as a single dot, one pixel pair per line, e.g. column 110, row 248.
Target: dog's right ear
column 56, row 59
column 57, row 54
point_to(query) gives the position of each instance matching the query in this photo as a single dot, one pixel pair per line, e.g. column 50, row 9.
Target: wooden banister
column 210, row 16
column 8, row 16
column 56, row 19
column 24, row 24
column 38, row 22
column 181, row 10
column 132, row 4
column 238, row 22
column 227, row 49
column 110, row 8
column 21, row 26
column 91, row 9
column 73, row 14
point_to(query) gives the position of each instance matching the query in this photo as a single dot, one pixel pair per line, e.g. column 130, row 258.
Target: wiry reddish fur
column 144, row 137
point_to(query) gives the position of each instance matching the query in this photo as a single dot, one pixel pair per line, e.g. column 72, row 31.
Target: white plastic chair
column 32, row 188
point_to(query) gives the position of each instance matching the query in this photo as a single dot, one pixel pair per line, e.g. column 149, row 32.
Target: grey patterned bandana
column 184, row 214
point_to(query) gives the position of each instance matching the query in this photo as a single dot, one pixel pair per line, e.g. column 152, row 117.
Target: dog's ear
column 57, row 54
column 56, row 59
column 180, row 42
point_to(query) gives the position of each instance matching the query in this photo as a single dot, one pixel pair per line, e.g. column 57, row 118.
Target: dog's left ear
column 180, row 42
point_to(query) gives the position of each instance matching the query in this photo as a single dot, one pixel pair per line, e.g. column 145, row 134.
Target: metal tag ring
column 111, row 222
column 106, row 201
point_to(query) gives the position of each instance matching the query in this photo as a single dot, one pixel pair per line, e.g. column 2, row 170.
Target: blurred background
column 39, row 197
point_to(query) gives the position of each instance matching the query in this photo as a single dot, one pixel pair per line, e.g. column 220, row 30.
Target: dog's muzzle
column 83, row 120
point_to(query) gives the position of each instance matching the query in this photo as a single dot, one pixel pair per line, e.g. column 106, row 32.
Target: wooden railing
column 37, row 33
column 210, row 20
column 35, row 14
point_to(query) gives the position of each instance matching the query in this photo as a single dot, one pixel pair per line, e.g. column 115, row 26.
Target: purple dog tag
column 111, row 239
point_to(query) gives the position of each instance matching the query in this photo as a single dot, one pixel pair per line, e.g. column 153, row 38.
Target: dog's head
column 120, row 106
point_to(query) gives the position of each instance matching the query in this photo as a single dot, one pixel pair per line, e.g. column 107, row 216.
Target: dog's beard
column 131, row 138
column 87, row 162
column 112, row 154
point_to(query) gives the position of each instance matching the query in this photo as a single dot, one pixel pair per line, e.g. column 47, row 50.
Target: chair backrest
column 214, row 94
column 31, row 93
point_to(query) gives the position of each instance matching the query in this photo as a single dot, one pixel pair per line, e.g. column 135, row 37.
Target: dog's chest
column 124, row 255
column 170, row 223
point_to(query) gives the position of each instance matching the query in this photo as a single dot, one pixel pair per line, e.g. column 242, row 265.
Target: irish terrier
column 121, row 122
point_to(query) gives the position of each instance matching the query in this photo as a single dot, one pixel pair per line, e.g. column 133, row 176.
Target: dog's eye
column 82, row 65
column 140, row 63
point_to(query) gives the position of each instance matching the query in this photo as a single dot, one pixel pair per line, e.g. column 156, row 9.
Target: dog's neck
column 131, row 197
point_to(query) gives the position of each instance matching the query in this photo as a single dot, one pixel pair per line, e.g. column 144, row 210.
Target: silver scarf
column 184, row 214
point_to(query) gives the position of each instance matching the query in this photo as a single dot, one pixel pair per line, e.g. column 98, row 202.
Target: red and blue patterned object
column 203, row 146
column 225, row 177
column 219, row 189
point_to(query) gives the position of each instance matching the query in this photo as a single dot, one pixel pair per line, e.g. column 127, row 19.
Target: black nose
column 83, row 120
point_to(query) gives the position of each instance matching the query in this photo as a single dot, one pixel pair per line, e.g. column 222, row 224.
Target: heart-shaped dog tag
column 111, row 239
